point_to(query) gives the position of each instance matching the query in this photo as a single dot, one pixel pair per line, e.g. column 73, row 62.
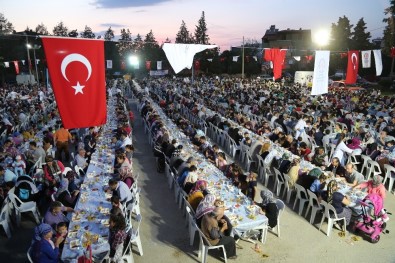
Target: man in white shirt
column 300, row 126
column 80, row 159
column 120, row 189
column 125, row 140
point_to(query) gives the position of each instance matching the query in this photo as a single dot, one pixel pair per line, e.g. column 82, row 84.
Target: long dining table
column 241, row 211
column 89, row 223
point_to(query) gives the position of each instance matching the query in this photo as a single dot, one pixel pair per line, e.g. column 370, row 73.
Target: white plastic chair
column 135, row 238
column 373, row 169
column 364, row 168
column 288, row 190
column 29, row 251
column 192, row 227
column 301, row 196
column 279, row 183
column 331, row 214
column 21, row 207
column 280, row 206
column 389, row 169
column 205, row 246
column 314, row 205
column 5, row 220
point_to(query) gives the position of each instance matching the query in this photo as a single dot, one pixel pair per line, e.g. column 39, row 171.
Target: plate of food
column 76, row 218
column 105, row 222
column 75, row 244
column 76, row 227
column 72, row 234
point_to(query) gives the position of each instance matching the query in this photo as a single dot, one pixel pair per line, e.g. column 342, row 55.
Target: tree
column 138, row 43
column 389, row 30
column 87, row 33
column 341, row 34
column 5, row 26
column 60, row 30
column 109, row 35
column 150, row 41
column 183, row 35
column 125, row 45
column 41, row 29
column 361, row 38
column 201, row 36
column 73, row 33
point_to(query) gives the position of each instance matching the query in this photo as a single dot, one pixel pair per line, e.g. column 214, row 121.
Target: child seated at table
column 61, row 231
column 116, row 203
column 117, row 237
column 220, row 161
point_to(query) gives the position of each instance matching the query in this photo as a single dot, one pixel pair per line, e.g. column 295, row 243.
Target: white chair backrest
column 280, row 205
column 279, row 175
column 313, row 199
column 301, row 192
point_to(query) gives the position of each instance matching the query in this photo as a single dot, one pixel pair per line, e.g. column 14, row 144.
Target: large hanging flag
column 16, row 66
column 159, row 65
column 76, row 68
column 180, row 56
column 321, row 69
column 366, row 58
column 352, row 67
column 378, row 61
column 277, row 56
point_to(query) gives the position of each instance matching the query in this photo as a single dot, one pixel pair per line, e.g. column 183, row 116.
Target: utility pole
column 242, row 61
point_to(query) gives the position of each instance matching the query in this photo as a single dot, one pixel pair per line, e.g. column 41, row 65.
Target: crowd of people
column 329, row 130
column 43, row 162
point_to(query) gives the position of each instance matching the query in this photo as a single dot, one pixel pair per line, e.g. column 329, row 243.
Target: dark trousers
column 60, row 148
column 229, row 244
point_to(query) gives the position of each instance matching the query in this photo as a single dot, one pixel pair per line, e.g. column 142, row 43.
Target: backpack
column 22, row 191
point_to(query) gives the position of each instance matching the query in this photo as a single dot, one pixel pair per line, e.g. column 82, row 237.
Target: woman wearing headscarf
column 126, row 176
column 44, row 250
column 269, row 207
column 204, row 207
column 64, row 196
column 339, row 201
column 196, row 195
column 374, row 186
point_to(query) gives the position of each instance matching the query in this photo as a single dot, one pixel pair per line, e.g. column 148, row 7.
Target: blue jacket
column 44, row 253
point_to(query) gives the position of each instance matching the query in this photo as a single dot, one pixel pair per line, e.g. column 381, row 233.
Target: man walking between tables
column 61, row 139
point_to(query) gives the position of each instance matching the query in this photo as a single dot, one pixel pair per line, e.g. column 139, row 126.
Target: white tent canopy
column 181, row 56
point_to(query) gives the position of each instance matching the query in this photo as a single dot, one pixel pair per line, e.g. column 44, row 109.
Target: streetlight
column 34, row 47
column 322, row 37
column 134, row 61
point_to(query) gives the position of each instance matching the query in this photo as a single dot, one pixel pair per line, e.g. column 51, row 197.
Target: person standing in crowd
column 62, row 137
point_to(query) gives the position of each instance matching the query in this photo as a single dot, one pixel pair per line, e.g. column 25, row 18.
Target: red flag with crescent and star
column 352, row 67
column 78, row 80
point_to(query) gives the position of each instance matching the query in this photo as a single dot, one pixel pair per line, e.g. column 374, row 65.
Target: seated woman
column 214, row 227
column 374, row 186
column 44, row 250
column 320, row 158
column 55, row 215
column 304, row 151
column 204, row 207
column 123, row 163
column 264, row 150
column 339, row 202
column 220, row 161
column 293, row 173
column 252, row 185
column 269, row 207
column 190, row 179
column 52, row 173
column 196, row 195
column 126, row 177
column 64, row 196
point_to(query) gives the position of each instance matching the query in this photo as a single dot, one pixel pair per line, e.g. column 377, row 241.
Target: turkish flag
column 148, row 65
column 197, row 65
column 392, row 52
column 76, row 68
column 16, row 67
column 277, row 56
column 352, row 67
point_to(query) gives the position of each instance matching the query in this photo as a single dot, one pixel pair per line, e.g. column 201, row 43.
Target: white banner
column 255, row 58
column 297, row 58
column 7, row 64
column 37, row 61
column 378, row 61
column 366, row 58
column 23, row 62
column 235, row 58
column 159, row 65
column 158, row 72
column 109, row 63
column 210, row 59
column 321, row 69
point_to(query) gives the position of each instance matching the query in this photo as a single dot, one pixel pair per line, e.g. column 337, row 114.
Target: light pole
column 34, row 47
column 28, row 59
